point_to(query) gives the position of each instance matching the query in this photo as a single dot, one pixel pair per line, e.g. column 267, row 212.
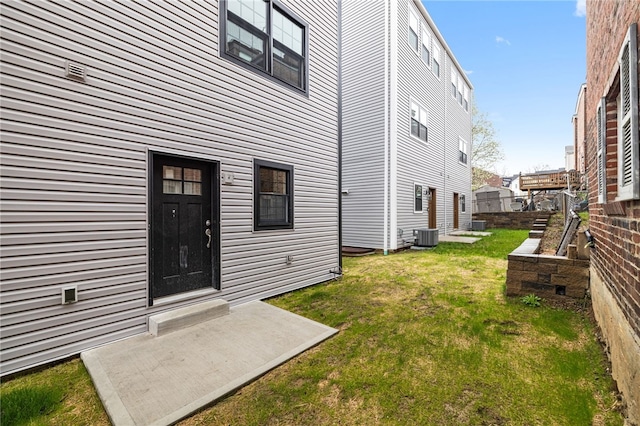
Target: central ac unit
column 426, row 237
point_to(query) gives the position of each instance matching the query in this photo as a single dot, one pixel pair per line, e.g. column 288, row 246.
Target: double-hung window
column 436, row 59
column 454, row 84
column 419, row 121
column 263, row 36
column 417, row 198
column 465, row 95
column 272, row 195
column 460, row 85
column 462, row 155
column 413, row 30
column 628, row 143
column 426, row 47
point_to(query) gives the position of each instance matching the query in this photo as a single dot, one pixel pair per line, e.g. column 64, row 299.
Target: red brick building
column 613, row 158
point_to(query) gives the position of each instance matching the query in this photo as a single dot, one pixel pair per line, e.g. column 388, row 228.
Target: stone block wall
column 549, row 277
column 511, row 220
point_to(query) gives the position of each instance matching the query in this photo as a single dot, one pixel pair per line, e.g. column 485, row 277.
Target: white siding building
column 160, row 154
column 406, row 127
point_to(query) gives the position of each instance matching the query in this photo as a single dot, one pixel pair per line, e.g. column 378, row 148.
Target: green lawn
column 426, row 338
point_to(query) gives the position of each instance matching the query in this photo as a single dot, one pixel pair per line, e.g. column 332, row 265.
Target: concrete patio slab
column 158, row 380
column 457, row 239
column 471, row 233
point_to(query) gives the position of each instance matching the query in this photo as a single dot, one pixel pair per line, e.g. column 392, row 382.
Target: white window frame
column 426, row 44
column 436, row 66
column 601, row 153
column 463, row 151
column 415, row 197
column 463, row 203
column 628, row 138
column 460, row 85
column 454, row 84
column 465, row 95
column 413, row 19
column 423, row 119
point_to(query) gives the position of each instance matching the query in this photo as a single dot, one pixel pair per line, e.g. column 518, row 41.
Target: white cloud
column 468, row 72
column 502, row 40
column 581, row 8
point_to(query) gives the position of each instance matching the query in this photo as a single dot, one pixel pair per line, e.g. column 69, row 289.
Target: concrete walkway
column 158, row 380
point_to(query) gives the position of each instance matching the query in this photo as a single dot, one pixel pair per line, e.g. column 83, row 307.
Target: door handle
column 207, row 232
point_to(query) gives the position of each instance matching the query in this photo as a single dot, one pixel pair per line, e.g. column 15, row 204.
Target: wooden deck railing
column 549, row 180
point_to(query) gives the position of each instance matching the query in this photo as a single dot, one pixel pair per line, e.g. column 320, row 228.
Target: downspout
column 385, row 227
column 393, row 123
column 340, row 136
column 444, row 146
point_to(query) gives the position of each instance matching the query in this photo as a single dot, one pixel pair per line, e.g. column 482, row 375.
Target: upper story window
column 419, row 121
column 459, row 90
column 454, row 83
column 426, row 47
column 272, row 195
column 628, row 143
column 413, row 29
column 465, row 95
column 462, row 155
column 417, row 198
column 263, row 36
column 621, row 102
column 436, row 59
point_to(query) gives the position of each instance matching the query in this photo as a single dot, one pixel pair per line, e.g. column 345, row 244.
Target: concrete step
column 180, row 318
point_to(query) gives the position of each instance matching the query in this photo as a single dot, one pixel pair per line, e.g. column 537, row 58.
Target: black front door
column 183, row 229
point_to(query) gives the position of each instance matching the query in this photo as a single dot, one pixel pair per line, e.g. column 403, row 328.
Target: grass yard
column 426, row 338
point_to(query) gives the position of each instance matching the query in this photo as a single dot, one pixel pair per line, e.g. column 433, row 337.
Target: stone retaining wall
column 511, row 220
column 549, row 277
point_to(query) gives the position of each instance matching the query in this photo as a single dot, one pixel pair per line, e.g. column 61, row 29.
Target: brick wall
column 511, row 220
column 615, row 225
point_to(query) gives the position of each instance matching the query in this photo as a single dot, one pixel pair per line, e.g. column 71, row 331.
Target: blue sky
column 526, row 61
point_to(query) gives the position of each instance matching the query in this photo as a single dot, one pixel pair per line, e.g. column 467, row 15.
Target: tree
column 486, row 150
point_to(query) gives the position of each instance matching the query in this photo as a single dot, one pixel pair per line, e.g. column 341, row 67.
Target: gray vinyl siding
column 418, row 162
column 75, row 174
column 433, row 164
column 363, row 115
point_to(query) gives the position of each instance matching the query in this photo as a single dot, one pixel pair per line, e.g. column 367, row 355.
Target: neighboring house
column 579, row 121
column 160, row 154
column 514, row 186
column 613, row 158
column 569, row 157
column 492, row 199
column 406, row 127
